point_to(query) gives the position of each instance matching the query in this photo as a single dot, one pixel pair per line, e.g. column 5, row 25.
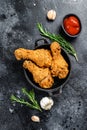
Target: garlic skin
column 51, row 14
column 35, row 118
column 46, row 103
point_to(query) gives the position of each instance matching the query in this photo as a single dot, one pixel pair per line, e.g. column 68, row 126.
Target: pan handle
column 38, row 41
column 56, row 92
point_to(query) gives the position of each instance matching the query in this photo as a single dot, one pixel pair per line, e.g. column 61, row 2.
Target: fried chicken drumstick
column 42, row 57
column 42, row 76
column 59, row 67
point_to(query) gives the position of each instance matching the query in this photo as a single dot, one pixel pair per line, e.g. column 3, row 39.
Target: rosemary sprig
column 31, row 96
column 58, row 38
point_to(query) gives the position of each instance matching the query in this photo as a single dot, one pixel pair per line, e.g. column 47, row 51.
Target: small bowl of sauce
column 71, row 25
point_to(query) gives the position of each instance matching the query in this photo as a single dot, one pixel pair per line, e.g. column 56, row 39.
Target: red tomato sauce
column 72, row 25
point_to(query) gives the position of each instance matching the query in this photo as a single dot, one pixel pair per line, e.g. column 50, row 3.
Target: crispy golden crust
column 44, row 64
column 55, row 48
column 59, row 66
column 42, row 76
column 47, row 82
column 41, row 57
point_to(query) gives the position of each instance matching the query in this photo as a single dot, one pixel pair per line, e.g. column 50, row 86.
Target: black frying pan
column 58, row 83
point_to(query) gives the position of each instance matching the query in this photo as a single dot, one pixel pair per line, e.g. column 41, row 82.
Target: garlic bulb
column 46, row 103
column 35, row 118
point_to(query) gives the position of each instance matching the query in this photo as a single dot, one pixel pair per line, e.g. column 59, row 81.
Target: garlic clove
column 35, row 118
column 51, row 14
column 46, row 103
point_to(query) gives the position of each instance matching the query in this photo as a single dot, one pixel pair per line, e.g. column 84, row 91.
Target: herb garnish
column 58, row 38
column 31, row 96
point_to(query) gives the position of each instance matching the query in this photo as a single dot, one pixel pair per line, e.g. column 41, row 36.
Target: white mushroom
column 35, row 118
column 51, row 14
column 46, row 103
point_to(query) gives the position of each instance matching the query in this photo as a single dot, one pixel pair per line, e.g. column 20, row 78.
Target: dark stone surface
column 18, row 19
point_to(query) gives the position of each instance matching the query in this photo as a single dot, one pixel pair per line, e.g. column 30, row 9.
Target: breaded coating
column 55, row 49
column 42, row 76
column 59, row 67
column 42, row 57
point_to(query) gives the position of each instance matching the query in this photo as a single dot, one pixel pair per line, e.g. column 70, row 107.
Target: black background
column 18, row 28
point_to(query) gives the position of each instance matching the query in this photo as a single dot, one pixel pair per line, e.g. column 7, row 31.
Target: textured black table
column 18, row 20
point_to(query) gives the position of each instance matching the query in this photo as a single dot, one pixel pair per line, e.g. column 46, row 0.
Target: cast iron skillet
column 58, row 83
